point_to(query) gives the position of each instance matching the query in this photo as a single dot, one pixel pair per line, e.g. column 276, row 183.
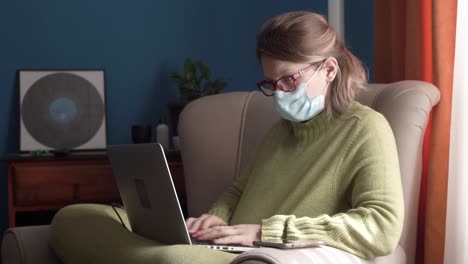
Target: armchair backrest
column 219, row 132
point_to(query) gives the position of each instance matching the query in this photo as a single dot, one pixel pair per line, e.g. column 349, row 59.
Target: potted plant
column 194, row 82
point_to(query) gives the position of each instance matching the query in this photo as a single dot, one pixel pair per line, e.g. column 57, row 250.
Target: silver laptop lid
column 148, row 193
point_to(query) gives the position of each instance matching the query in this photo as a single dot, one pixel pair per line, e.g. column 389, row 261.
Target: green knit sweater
column 333, row 179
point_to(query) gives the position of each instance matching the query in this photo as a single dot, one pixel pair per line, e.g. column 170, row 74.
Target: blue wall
column 137, row 42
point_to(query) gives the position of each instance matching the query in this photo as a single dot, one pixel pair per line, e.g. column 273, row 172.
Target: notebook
column 149, row 196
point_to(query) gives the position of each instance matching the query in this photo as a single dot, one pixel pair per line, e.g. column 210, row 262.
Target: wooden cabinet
column 45, row 184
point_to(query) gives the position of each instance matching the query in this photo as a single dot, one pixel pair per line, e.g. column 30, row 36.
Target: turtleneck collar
column 314, row 127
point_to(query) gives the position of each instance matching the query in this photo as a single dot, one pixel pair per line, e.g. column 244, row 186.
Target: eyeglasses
column 286, row 84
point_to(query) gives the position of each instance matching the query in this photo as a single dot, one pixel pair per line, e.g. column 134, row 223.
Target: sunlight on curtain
column 456, row 240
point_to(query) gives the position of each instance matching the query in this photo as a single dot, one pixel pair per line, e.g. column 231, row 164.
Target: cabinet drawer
column 49, row 185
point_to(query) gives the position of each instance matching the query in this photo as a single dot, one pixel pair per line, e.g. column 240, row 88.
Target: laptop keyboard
column 201, row 242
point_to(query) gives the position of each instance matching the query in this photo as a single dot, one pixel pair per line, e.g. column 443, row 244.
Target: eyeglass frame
column 294, row 77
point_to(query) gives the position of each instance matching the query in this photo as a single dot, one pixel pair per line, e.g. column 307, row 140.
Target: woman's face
column 274, row 69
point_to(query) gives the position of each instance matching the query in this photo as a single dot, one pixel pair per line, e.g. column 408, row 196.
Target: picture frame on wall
column 62, row 110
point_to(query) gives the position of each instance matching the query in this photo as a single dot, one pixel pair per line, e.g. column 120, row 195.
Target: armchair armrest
column 27, row 245
column 318, row 255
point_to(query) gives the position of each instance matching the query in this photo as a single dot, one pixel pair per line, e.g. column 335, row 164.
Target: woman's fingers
column 203, row 222
column 195, row 223
column 189, row 222
column 211, row 227
column 216, row 232
column 211, row 221
column 238, row 234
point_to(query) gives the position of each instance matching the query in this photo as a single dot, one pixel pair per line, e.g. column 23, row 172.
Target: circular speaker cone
column 62, row 110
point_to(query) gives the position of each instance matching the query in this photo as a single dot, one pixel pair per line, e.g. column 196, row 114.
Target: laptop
column 149, row 196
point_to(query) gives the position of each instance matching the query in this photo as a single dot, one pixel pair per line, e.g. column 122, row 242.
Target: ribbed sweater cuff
column 274, row 228
column 288, row 228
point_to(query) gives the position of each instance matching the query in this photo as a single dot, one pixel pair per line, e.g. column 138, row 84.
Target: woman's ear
column 330, row 65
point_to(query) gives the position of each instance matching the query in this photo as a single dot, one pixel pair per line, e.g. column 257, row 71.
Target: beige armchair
column 219, row 132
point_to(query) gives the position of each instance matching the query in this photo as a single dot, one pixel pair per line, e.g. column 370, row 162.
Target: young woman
column 327, row 171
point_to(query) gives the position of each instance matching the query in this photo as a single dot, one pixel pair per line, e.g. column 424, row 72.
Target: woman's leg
column 91, row 233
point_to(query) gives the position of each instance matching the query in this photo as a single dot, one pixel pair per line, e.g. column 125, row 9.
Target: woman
column 328, row 171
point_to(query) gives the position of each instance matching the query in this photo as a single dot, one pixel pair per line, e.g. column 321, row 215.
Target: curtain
column 456, row 240
column 414, row 39
column 444, row 24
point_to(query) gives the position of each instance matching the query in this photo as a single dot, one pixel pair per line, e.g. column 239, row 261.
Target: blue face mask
column 296, row 106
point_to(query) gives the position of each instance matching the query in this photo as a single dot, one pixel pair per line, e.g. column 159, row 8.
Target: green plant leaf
column 204, row 70
column 189, row 69
column 175, row 76
column 196, row 80
column 213, row 87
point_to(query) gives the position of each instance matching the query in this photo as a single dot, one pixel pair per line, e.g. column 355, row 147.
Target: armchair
column 225, row 128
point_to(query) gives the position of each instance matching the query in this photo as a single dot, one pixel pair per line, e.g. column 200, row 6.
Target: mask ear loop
column 318, row 69
column 326, row 88
column 338, row 75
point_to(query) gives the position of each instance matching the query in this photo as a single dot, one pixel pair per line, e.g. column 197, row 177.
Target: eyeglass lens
column 285, row 84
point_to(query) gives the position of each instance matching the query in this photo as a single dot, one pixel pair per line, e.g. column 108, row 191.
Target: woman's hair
column 305, row 37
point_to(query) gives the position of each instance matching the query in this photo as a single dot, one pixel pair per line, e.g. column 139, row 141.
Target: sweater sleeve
column 226, row 204
column 370, row 174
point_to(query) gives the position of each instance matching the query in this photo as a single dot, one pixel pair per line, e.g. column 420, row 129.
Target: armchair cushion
column 27, row 245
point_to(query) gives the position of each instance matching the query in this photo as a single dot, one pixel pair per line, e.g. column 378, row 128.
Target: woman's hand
column 238, row 234
column 203, row 222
